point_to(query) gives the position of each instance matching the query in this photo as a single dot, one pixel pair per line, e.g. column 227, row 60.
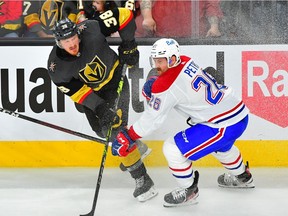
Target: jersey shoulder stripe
column 125, row 16
column 166, row 79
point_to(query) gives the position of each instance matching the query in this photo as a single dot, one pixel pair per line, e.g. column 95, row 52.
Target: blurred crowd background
column 196, row 19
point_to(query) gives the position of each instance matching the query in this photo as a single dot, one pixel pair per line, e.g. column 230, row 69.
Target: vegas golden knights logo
column 94, row 72
column 51, row 12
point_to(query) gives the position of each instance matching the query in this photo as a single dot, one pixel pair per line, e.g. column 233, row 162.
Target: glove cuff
column 132, row 134
column 128, row 44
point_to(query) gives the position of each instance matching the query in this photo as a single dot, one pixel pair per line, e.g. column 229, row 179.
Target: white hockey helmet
column 165, row 48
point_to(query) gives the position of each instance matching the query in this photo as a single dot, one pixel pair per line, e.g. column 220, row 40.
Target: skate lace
column 228, row 178
column 140, row 182
column 178, row 193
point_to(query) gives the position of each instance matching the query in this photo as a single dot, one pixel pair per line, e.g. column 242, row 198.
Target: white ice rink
column 70, row 192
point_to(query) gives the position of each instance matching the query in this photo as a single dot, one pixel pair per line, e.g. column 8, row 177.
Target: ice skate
column 182, row 197
column 144, row 188
column 144, row 151
column 243, row 180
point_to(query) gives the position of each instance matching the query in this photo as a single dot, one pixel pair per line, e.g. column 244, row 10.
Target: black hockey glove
column 128, row 53
column 107, row 116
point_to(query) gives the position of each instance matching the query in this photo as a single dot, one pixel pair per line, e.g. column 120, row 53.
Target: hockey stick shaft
column 104, row 156
column 47, row 124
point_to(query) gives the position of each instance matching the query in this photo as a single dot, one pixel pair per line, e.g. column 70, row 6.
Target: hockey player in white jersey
column 217, row 115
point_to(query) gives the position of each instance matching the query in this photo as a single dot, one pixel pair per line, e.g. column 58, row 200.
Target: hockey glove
column 123, row 144
column 128, row 53
column 107, row 116
column 147, row 87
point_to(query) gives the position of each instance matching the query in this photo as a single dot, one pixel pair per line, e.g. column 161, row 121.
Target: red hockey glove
column 123, row 144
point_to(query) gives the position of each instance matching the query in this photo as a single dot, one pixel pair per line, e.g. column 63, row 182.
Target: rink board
column 89, row 154
column 258, row 73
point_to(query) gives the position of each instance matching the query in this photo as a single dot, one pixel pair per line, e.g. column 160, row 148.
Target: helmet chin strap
column 79, row 53
column 58, row 44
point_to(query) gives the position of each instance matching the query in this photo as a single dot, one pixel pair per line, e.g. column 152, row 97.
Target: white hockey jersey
column 193, row 93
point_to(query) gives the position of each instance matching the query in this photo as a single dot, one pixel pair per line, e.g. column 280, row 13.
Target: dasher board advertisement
column 258, row 73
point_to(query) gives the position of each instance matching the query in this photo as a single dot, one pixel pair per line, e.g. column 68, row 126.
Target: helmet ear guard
column 165, row 48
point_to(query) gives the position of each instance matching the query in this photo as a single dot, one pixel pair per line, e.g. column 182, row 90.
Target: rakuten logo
column 265, row 84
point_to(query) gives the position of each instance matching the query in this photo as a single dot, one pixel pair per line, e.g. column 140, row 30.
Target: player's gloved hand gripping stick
column 123, row 144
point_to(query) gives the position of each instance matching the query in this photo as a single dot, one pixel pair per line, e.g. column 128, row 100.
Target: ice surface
column 70, row 192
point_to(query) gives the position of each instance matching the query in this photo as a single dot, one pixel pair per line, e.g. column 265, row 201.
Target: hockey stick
column 101, row 169
column 68, row 131
column 47, row 124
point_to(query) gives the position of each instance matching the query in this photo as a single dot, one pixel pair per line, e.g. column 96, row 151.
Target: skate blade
column 148, row 195
column 249, row 184
column 192, row 201
column 246, row 186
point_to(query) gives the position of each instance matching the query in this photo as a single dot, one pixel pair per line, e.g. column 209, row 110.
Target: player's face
column 161, row 65
column 71, row 45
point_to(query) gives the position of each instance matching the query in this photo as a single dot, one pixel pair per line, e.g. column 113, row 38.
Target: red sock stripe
column 180, row 170
column 232, row 163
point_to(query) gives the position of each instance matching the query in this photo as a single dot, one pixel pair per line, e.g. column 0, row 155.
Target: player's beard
column 159, row 71
column 73, row 50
